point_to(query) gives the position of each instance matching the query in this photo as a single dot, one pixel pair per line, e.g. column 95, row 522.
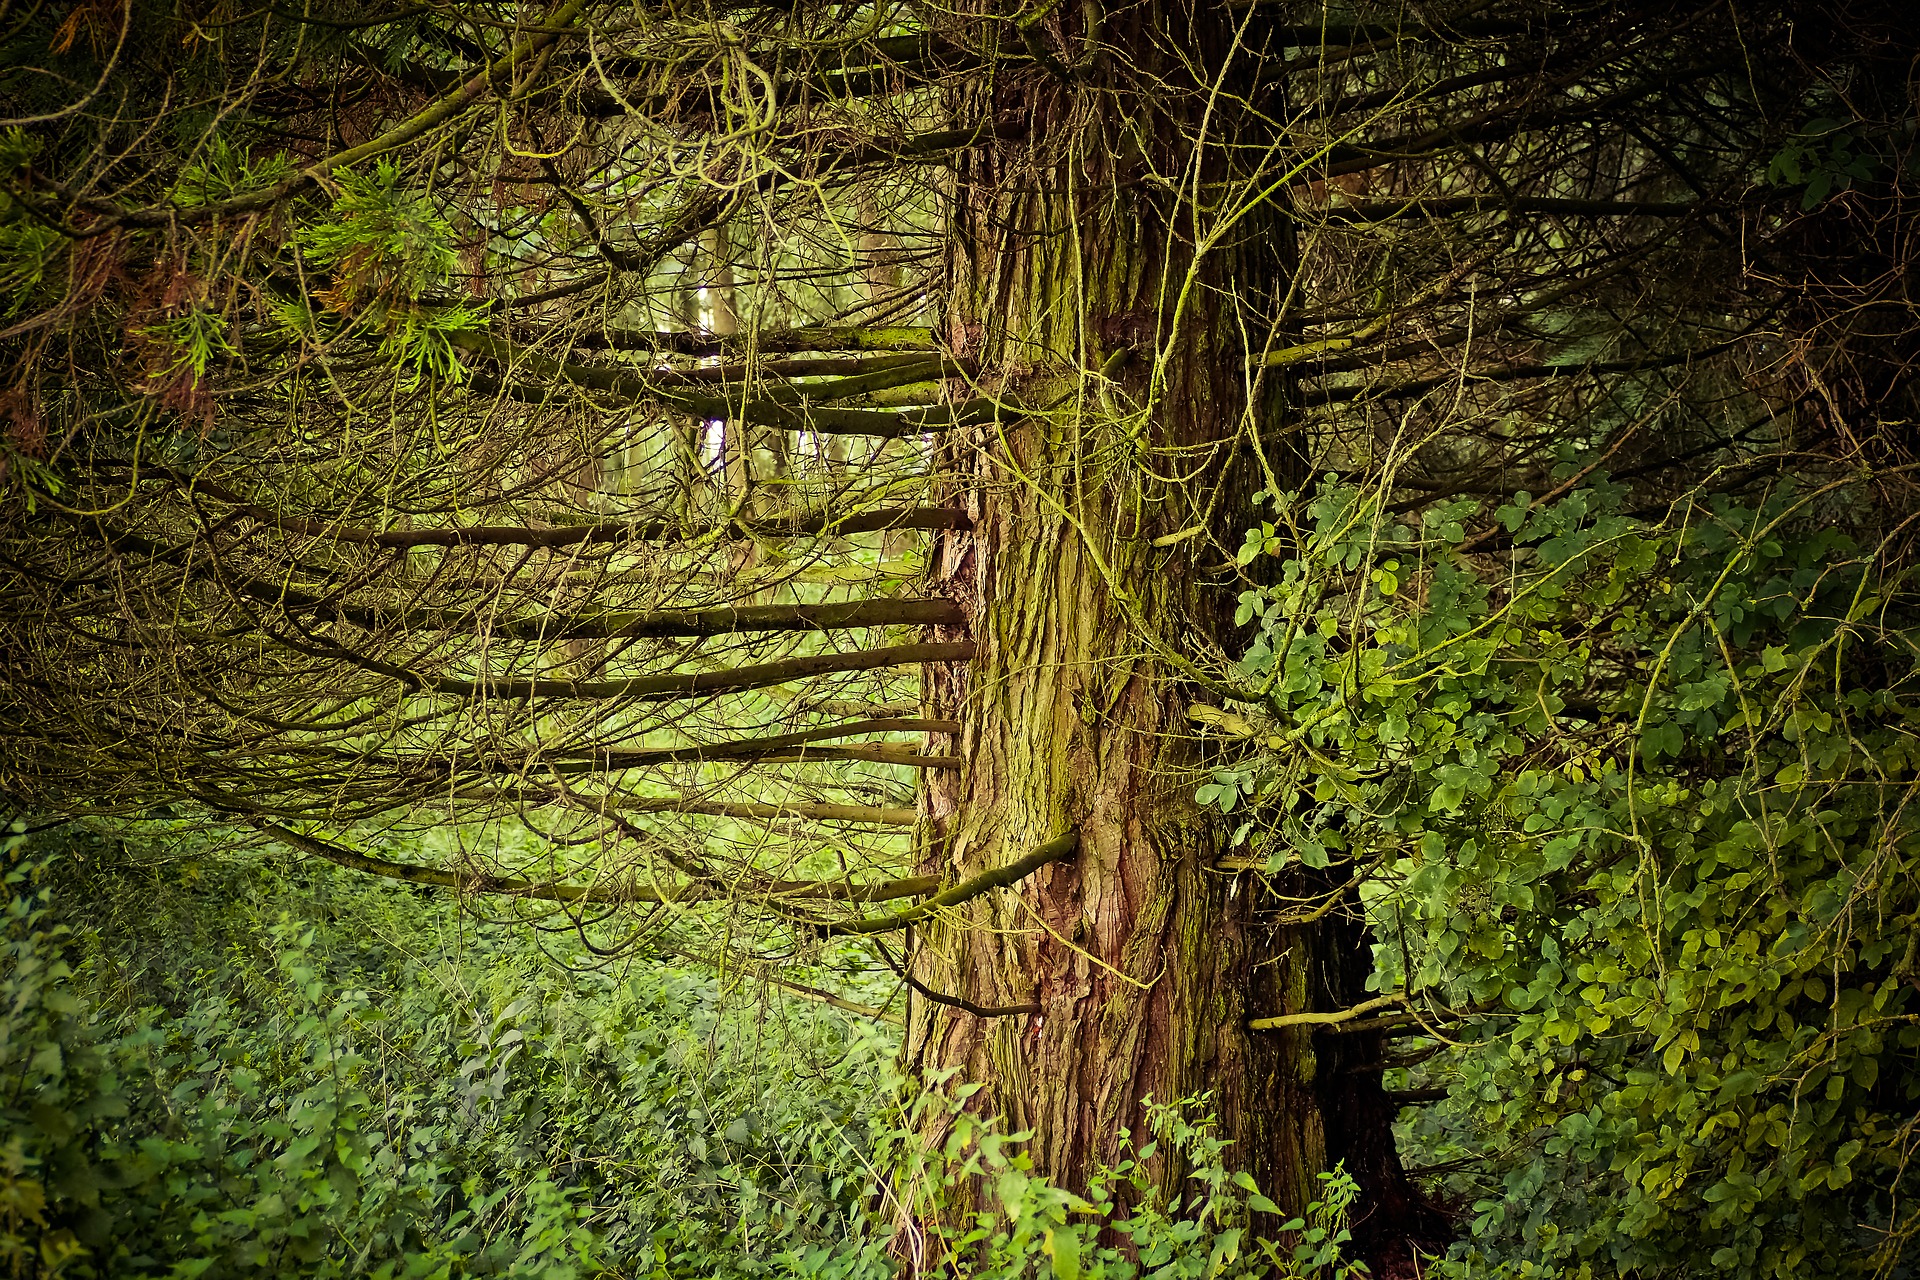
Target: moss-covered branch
column 1054, row 850
column 759, row 408
column 1334, row 1018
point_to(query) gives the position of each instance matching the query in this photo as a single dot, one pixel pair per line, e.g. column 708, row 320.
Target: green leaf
column 1063, row 1247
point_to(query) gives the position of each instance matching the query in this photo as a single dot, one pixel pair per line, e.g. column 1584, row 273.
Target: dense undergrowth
column 1631, row 803
column 226, row 1068
column 219, row 1066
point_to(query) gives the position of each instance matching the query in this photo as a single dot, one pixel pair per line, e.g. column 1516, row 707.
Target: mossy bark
column 1076, row 284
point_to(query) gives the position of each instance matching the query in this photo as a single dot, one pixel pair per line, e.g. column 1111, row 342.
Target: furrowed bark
column 1144, row 962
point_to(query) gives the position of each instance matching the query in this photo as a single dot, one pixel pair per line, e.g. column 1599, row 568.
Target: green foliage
column 419, row 342
column 383, row 241
column 191, row 341
column 225, row 170
column 1631, row 799
column 1823, row 157
column 250, row 1072
column 384, row 245
column 28, row 246
column 980, row 1212
column 28, row 250
column 210, row 1068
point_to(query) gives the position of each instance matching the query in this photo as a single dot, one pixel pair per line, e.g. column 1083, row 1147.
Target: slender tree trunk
column 1129, row 972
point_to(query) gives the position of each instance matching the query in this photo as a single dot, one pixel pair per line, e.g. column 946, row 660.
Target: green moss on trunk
column 1075, row 285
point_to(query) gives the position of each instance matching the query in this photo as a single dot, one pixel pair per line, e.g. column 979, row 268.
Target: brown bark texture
column 1084, row 284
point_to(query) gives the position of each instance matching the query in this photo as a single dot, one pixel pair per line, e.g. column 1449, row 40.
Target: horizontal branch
column 731, row 620
column 1499, row 124
column 1327, row 1019
column 786, row 748
column 628, row 892
column 1062, row 846
column 877, row 753
column 1408, row 1022
column 1507, row 373
column 1368, row 211
column 1334, row 35
column 805, row 811
column 599, row 531
column 694, row 342
column 925, row 364
column 695, row 390
column 759, row 409
column 906, row 756
column 754, row 748
column 699, row 683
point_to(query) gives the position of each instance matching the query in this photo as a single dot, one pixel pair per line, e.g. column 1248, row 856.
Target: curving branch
column 1054, row 850
column 1360, row 1010
column 904, row 970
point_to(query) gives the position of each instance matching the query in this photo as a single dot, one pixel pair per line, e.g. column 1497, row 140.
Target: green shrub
column 1631, row 806
column 219, row 1067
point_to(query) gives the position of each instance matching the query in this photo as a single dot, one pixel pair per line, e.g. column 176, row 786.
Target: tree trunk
column 1131, row 970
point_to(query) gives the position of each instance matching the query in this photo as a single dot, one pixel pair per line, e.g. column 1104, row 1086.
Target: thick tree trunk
column 1130, row 971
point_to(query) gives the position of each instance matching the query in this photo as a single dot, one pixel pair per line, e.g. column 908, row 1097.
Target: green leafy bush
column 1631, row 803
column 215, row 1067
column 198, row 1082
